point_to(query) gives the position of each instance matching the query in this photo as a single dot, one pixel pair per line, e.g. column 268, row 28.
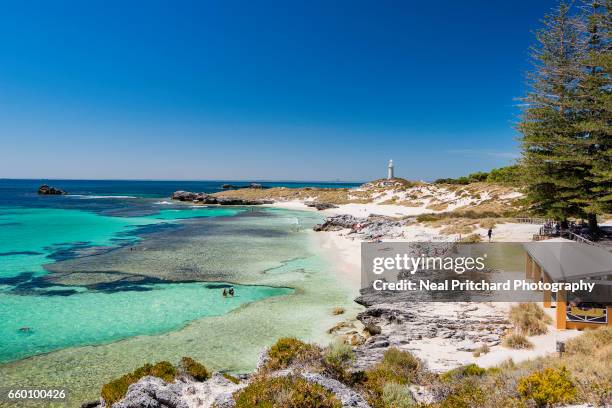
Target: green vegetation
column 565, row 124
column 529, row 319
column 470, row 370
column 284, row 392
column 288, row 350
column 192, row 368
column 116, row 389
column 336, row 361
column 231, row 378
column 547, row 387
column 511, row 175
column 466, row 394
column 396, row 367
column 582, row 375
column 397, row 396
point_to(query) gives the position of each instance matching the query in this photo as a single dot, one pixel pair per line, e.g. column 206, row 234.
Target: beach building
column 561, row 260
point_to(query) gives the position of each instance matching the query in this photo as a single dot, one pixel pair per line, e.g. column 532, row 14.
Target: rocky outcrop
column 240, row 201
column 372, row 227
column 228, row 186
column 347, row 396
column 465, row 326
column 203, row 198
column 153, row 392
column 48, row 190
column 255, row 185
column 320, row 206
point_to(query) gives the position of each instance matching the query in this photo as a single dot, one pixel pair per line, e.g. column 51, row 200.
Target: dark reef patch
column 20, row 252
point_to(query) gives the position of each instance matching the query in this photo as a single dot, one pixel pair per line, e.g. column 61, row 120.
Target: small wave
column 163, row 203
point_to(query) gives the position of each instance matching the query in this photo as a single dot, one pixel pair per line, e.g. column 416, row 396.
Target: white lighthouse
column 390, row 170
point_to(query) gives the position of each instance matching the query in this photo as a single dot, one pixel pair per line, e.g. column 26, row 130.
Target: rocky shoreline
column 365, row 228
column 203, row 198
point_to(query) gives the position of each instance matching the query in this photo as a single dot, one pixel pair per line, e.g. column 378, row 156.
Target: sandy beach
column 343, row 250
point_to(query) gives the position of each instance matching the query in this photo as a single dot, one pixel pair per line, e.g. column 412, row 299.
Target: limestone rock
column 347, row 396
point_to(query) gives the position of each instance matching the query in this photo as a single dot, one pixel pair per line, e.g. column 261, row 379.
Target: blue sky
column 278, row 90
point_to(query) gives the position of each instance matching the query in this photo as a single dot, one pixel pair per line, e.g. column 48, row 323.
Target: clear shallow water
column 95, row 270
column 96, row 317
column 28, row 236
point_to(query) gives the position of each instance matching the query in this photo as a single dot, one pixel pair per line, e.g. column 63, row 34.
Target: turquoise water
column 59, row 316
column 107, row 283
column 29, row 235
column 95, row 317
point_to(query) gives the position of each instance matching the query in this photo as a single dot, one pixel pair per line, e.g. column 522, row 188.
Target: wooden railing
column 526, row 220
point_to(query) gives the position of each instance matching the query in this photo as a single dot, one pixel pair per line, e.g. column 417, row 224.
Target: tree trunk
column 592, row 218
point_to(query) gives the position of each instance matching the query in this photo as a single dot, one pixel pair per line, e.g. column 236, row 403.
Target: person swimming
column 231, row 291
column 224, row 292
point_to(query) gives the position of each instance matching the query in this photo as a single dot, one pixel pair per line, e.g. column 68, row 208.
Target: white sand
column 439, row 354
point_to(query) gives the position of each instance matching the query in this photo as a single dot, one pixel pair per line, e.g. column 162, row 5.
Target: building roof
column 565, row 260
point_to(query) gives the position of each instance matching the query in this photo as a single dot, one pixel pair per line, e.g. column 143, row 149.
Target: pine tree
column 553, row 151
column 594, row 107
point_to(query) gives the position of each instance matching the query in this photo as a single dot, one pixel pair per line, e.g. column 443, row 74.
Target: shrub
column 397, row 366
column 116, row 389
column 465, row 395
column 463, row 371
column 194, row 369
column 516, row 341
column 547, row 387
column 231, row 378
column 529, row 319
column 472, row 238
column 285, row 392
column 484, row 349
column 336, row 361
column 289, row 350
column 397, row 396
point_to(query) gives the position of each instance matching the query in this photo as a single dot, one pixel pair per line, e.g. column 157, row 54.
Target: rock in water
column 48, row 190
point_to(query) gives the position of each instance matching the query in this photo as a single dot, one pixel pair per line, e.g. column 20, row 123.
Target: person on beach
column 490, row 233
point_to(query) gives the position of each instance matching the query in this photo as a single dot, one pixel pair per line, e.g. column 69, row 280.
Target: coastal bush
column 484, row 349
column 512, row 175
column 463, row 371
column 397, row 396
column 516, row 341
column 472, row 238
column 193, row 369
column 336, row 361
column 116, row 389
column 466, row 394
column 289, row 350
column 231, row 378
column 529, row 319
column 547, row 387
column 396, row 366
column 284, row 392
column 587, row 357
